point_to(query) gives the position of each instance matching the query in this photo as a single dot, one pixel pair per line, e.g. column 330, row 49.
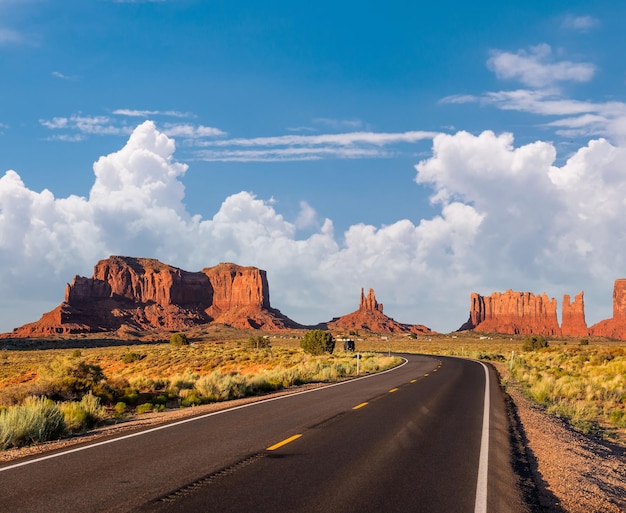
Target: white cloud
column 191, row 131
column 9, row 36
column 508, row 218
column 344, row 139
column 89, row 125
column 350, row 145
column 576, row 118
column 537, row 68
column 62, row 76
column 135, row 113
column 580, row 23
column 307, row 218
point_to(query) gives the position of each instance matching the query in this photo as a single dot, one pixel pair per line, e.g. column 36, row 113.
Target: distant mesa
column 616, row 326
column 127, row 295
column 143, row 294
column 513, row 312
column 370, row 317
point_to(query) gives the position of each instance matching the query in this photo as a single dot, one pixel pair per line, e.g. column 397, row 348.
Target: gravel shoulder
column 570, row 472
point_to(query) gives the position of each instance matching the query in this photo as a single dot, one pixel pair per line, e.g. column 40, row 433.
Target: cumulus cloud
column 537, row 67
column 508, row 217
column 544, row 226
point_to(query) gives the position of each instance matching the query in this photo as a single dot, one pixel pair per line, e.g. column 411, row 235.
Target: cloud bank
column 508, row 217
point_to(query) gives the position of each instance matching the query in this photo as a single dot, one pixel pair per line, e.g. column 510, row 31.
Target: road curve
column 412, row 439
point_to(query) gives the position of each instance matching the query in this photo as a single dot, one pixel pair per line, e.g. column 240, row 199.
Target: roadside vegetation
column 580, row 381
column 584, row 384
column 48, row 394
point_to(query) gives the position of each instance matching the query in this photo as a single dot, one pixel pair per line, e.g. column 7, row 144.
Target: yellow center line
column 426, row 374
column 392, row 390
column 284, row 442
column 359, row 406
column 413, row 380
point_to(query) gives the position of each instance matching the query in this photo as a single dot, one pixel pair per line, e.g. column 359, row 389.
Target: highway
column 424, row 437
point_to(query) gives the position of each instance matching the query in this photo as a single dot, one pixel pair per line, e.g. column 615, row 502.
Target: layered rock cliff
column 616, row 326
column 143, row 293
column 573, row 316
column 513, row 312
column 370, row 317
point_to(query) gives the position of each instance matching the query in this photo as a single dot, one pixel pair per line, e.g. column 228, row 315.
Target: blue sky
column 425, row 149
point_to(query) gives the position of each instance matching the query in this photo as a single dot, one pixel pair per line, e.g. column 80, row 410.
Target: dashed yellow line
column 413, row 380
column 393, row 390
column 284, row 442
column 426, row 374
column 359, row 406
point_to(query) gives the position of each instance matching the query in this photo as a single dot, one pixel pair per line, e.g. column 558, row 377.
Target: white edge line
column 480, row 506
column 193, row 419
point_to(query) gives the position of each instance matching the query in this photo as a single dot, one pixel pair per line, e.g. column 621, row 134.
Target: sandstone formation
column 573, row 316
column 143, row 293
column 370, row 317
column 514, row 313
column 616, row 326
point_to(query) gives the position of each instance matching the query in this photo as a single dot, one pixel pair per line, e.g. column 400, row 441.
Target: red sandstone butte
column 513, row 313
column 573, row 316
column 615, row 327
column 370, row 317
column 143, row 294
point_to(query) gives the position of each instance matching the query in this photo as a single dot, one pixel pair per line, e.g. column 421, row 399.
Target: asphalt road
column 412, row 439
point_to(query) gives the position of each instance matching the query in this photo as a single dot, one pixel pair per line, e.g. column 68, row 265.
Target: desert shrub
column 190, row 398
column 120, row 408
column 144, row 408
column 318, row 342
column 141, row 383
column 68, row 379
column 583, row 342
column 182, row 382
column 533, row 343
column 38, row 419
column 131, row 357
column 258, row 342
column 179, row 339
column 130, row 396
column 221, row 387
column 83, row 414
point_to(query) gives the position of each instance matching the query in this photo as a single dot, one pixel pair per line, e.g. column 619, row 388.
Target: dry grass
column 583, row 384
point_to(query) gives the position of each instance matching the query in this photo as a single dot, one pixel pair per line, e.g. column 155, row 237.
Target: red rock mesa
column 370, row 317
column 143, row 293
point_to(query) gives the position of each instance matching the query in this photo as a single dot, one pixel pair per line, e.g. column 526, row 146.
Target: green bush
column 179, row 339
column 258, row 342
column 318, row 342
column 83, row 414
column 36, row 420
column 68, row 379
column 144, row 408
column 120, row 408
column 131, row 357
column 533, row 343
